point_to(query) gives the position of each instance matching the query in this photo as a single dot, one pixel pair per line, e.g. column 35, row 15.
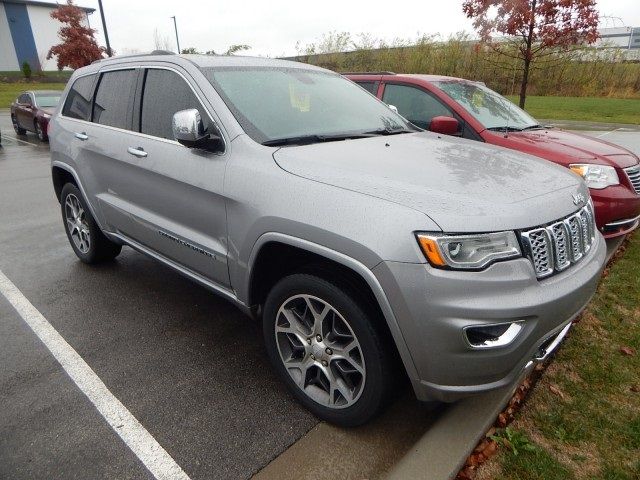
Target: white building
column 619, row 37
column 27, row 32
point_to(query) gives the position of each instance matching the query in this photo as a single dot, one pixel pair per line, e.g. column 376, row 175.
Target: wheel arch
column 276, row 255
column 61, row 173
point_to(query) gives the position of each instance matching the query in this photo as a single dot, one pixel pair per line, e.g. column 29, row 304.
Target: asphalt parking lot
column 187, row 365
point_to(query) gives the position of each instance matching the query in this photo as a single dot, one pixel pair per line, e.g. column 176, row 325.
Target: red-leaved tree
column 79, row 47
column 531, row 29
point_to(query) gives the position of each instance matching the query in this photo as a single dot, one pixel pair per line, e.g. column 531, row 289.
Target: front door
column 162, row 194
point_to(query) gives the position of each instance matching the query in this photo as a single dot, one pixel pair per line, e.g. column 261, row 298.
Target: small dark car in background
column 32, row 110
column 464, row 108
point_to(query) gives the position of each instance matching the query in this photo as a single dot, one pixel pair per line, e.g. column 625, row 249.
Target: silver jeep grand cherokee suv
column 367, row 248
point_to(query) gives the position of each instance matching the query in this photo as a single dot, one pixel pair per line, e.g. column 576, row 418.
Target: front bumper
column 617, row 209
column 433, row 306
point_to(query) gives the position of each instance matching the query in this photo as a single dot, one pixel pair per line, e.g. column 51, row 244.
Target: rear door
column 160, row 193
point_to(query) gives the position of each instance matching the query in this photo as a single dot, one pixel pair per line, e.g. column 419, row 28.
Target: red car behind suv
column 32, row 110
column 469, row 109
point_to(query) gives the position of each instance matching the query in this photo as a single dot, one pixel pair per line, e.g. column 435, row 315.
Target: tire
column 18, row 129
column 341, row 381
column 42, row 135
column 87, row 240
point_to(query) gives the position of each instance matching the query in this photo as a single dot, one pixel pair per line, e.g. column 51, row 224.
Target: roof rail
column 155, row 52
column 368, row 73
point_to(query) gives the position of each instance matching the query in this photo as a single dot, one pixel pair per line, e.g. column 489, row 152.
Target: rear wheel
column 87, row 240
column 327, row 350
column 18, row 129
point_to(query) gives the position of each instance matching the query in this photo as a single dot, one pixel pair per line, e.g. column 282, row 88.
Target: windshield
column 48, row 100
column 491, row 109
column 273, row 104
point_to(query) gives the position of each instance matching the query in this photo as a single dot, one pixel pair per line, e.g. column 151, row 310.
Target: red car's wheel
column 19, row 130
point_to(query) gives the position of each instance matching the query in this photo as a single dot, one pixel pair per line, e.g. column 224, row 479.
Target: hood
column 566, row 147
column 462, row 185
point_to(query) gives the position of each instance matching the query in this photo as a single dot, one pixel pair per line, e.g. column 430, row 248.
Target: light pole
column 175, row 26
column 104, row 27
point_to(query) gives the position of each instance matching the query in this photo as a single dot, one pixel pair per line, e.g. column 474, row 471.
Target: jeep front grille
column 634, row 177
column 555, row 247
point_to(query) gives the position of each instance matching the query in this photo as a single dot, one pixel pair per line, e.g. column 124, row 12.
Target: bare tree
column 161, row 41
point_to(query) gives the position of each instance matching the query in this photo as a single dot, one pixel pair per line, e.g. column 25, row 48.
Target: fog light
column 492, row 336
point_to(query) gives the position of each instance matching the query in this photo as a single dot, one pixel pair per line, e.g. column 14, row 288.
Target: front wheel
column 87, row 240
column 42, row 134
column 327, row 350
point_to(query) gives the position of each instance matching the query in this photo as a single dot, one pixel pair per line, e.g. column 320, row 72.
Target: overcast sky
column 274, row 27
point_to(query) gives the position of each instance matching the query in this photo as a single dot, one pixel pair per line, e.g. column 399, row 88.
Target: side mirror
column 188, row 130
column 444, row 125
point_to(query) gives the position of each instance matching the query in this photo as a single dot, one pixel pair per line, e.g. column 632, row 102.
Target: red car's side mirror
column 444, row 125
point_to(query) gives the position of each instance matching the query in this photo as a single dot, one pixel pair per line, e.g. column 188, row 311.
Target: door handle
column 138, row 152
column 82, row 136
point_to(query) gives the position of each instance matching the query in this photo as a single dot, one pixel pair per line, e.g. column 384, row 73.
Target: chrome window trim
column 144, row 135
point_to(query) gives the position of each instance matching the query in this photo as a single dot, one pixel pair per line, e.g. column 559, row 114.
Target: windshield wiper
column 533, row 127
column 390, row 131
column 505, row 129
column 308, row 139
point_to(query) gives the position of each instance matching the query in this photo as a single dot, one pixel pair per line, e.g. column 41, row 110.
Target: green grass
column 9, row 91
column 591, row 109
column 592, row 430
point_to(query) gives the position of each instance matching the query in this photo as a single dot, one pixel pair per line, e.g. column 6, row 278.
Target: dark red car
column 31, row 111
column 469, row 109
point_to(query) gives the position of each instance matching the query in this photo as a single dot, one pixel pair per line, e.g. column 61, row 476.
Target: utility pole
column 104, row 27
column 175, row 26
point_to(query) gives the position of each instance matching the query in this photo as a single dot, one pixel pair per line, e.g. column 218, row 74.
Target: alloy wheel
column 320, row 351
column 77, row 223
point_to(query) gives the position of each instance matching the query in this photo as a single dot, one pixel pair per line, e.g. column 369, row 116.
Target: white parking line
column 607, row 133
column 4, row 135
column 137, row 438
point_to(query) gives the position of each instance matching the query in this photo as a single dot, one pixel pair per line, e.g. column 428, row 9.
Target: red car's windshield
column 491, row 109
column 47, row 101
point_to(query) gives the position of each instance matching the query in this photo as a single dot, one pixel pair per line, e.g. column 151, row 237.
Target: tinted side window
column 414, row 104
column 24, row 99
column 371, row 87
column 113, row 105
column 78, row 102
column 165, row 93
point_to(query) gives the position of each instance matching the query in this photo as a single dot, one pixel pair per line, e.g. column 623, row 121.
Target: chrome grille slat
column 574, row 227
column 555, row 247
column 634, row 177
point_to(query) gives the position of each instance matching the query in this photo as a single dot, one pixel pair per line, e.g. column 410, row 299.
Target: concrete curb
column 443, row 450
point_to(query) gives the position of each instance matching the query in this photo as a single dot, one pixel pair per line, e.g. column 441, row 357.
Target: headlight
column 471, row 252
column 596, row 176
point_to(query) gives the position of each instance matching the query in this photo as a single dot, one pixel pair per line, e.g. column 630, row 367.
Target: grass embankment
column 9, row 91
column 582, row 420
column 591, row 109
